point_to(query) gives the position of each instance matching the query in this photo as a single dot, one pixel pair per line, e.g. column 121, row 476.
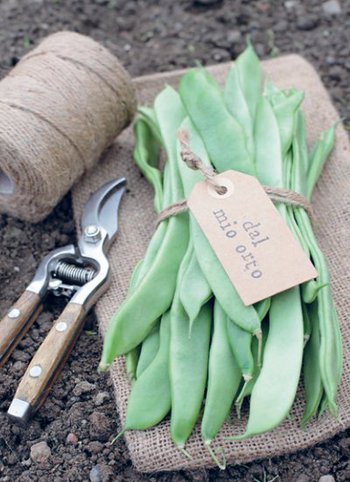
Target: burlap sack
column 153, row 450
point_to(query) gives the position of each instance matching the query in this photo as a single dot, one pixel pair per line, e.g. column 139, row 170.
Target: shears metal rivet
column 35, row 371
column 61, row 326
column 14, row 313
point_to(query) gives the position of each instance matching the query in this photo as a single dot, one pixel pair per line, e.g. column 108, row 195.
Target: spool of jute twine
column 60, row 107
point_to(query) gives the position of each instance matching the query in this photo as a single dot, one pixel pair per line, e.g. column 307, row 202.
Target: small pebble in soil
column 233, row 36
column 40, row 452
column 332, row 7
column 95, row 475
column 11, row 459
column 326, row 478
column 335, row 72
column 95, row 447
column 72, row 439
column 307, row 22
column 14, row 236
column 302, row 478
column 101, row 473
column 290, row 4
column 220, row 55
column 206, row 2
column 101, row 398
column 345, row 446
column 100, row 427
column 83, row 387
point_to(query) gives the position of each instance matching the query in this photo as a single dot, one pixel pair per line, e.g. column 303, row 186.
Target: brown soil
column 147, row 36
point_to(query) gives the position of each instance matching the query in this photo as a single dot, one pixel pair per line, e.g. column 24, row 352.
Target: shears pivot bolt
column 92, row 233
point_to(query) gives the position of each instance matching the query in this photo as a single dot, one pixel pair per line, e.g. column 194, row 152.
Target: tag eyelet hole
column 226, row 185
column 221, row 190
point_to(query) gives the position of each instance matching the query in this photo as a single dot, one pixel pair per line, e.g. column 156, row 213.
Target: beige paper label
column 253, row 243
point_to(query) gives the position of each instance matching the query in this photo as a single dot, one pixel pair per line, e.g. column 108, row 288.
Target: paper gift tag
column 251, row 240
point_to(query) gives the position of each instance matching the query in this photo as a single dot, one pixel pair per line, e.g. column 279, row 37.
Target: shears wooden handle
column 17, row 322
column 47, row 363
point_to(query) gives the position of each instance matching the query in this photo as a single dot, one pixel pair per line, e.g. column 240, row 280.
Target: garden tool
column 80, row 273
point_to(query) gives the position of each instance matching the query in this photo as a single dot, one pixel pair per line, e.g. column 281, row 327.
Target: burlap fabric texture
column 60, row 107
column 152, row 450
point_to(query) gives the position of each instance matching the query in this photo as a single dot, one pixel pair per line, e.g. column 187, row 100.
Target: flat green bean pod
column 149, row 116
column 329, row 345
column 275, row 388
column 158, row 236
column 268, row 146
column 307, row 324
column 224, row 376
column 313, row 387
column 238, row 107
column 289, row 160
column 241, row 346
column 250, row 77
column 284, row 107
column 318, row 157
column 146, row 155
column 247, row 387
column 131, row 360
column 300, row 179
column 135, row 318
column 149, row 350
column 222, row 135
column 298, row 162
column 194, row 289
column 338, row 338
column 150, row 400
column 262, row 308
column 242, row 92
column 188, row 369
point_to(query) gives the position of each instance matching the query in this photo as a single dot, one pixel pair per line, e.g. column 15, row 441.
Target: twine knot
column 194, row 162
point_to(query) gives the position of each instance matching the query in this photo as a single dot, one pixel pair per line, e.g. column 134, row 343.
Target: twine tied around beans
column 277, row 195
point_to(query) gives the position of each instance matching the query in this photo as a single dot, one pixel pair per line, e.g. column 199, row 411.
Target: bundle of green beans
column 191, row 345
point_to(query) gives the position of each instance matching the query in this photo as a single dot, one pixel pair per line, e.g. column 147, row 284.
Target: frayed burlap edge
column 152, row 450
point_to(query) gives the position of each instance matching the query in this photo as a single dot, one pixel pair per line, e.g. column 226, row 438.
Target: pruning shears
column 80, row 273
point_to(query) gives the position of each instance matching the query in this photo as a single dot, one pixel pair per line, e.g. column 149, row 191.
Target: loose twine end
column 277, row 195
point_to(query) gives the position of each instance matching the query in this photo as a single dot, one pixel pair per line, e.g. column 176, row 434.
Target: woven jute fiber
column 153, row 450
column 60, row 107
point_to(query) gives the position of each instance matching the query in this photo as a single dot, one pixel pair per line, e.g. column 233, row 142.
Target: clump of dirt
column 75, row 426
